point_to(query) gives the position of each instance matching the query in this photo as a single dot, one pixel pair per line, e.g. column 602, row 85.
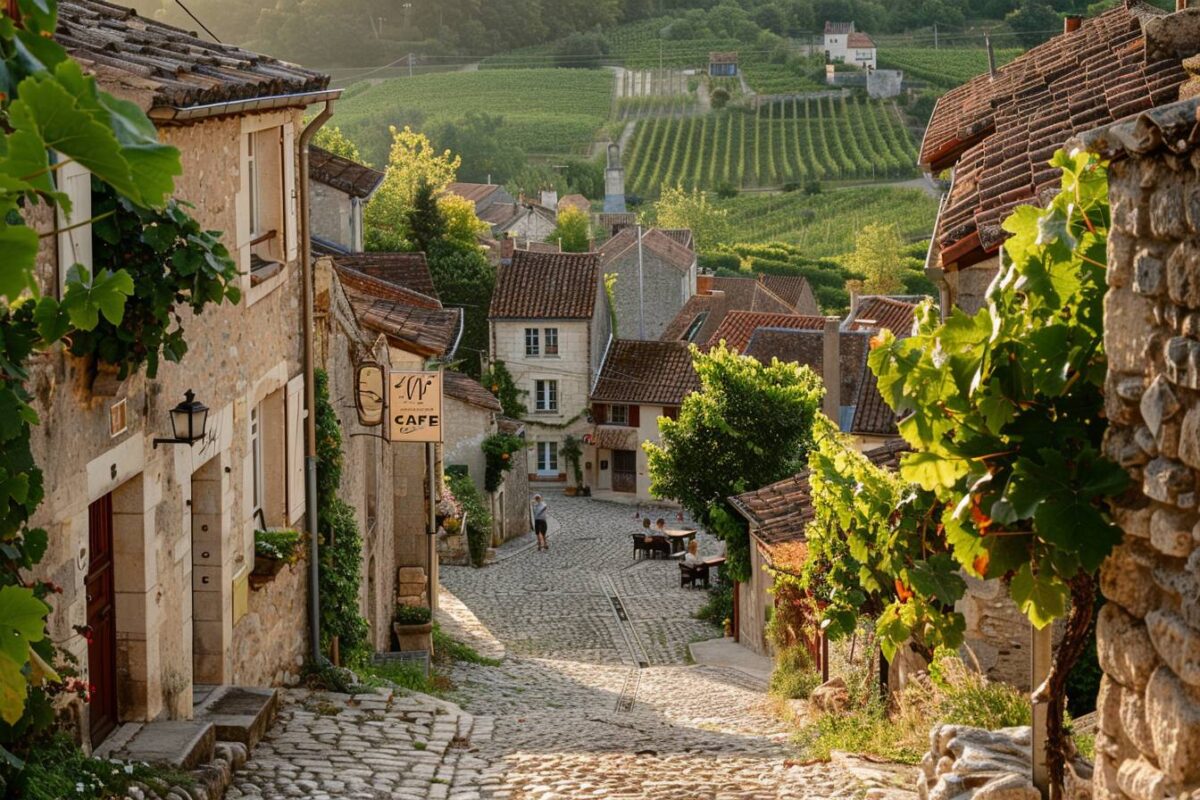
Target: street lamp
column 188, row 421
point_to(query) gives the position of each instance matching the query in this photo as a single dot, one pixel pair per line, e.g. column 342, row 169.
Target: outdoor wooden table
column 679, row 539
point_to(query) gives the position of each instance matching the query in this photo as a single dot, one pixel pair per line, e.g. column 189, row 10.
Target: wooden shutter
column 635, row 416
column 74, row 244
column 288, row 168
column 599, row 413
column 295, row 448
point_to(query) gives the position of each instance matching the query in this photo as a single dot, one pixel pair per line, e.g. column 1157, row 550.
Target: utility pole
column 987, row 41
column 410, row 65
column 935, row 36
column 641, row 289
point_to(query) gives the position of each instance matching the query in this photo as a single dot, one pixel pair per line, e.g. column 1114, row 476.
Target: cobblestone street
column 594, row 697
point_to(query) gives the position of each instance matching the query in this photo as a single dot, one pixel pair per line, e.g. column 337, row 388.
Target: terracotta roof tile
column 177, row 68
column 635, row 371
column 411, row 320
column 739, row 326
column 351, row 177
column 875, row 312
column 655, row 241
column 468, row 390
column 546, row 286
column 780, row 512
column 407, row 270
column 795, row 291
column 477, row 193
column 702, row 314
column 999, row 132
column 860, row 40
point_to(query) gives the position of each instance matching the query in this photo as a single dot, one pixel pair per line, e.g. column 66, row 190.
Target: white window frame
column 615, row 418
column 74, row 229
column 545, row 395
column 532, row 343
column 550, row 335
column 258, row 485
column 253, row 190
column 547, row 458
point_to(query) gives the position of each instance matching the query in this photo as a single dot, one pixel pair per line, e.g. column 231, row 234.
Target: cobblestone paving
column 590, row 705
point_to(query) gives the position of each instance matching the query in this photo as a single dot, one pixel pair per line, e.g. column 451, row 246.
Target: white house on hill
column 844, row 44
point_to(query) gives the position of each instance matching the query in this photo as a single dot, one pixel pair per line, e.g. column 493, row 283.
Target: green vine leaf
column 22, row 622
column 1042, row 599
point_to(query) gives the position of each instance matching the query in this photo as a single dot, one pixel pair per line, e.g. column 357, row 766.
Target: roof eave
column 181, row 114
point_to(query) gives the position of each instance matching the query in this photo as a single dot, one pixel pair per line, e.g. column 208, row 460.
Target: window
column 252, row 187
column 547, row 458
column 257, row 470
column 545, row 395
column 74, row 230
column 551, row 341
column 619, row 415
column 267, row 227
column 531, row 341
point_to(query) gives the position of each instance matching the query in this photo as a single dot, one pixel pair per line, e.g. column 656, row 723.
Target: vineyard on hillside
column 944, row 68
column 825, row 224
column 797, row 141
column 555, row 111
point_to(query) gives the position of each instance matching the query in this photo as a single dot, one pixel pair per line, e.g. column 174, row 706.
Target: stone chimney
column 550, row 199
column 831, row 369
column 508, row 246
column 704, row 283
column 854, row 296
column 1071, row 22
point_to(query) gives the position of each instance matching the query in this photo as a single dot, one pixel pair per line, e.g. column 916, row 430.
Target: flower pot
column 570, row 491
column 413, row 637
column 265, row 570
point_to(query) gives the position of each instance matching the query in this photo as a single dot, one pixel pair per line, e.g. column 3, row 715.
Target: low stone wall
column 975, row 764
column 271, row 641
column 997, row 634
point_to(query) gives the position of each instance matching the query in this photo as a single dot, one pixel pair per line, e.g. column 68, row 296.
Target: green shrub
column 58, row 769
column 411, row 615
column 479, row 519
column 283, row 545
column 720, row 604
column 794, row 676
column 447, row 650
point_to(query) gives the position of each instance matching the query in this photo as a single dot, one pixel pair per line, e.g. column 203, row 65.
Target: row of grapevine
column 831, row 138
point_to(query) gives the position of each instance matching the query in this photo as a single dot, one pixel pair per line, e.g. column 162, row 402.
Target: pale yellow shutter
column 295, row 447
column 290, row 221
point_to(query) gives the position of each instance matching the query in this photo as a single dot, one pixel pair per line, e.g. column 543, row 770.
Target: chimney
column 704, row 283
column 854, row 287
column 1071, row 22
column 508, row 246
column 550, row 199
column 831, row 369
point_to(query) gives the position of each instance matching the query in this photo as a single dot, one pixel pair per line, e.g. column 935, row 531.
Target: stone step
column 239, row 713
column 183, row 744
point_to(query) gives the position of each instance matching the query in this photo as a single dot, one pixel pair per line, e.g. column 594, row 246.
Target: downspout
column 310, row 391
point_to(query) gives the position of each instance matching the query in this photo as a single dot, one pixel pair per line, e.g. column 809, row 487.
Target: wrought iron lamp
column 189, row 420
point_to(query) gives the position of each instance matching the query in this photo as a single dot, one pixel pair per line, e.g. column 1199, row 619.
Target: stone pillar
column 1148, row 634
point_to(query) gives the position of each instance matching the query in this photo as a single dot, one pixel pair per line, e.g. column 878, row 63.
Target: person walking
column 539, row 521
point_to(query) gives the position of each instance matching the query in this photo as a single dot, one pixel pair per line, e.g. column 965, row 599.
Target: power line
column 196, row 19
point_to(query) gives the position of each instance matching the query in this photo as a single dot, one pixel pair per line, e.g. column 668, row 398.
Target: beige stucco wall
column 647, row 431
column 332, row 215
column 238, row 356
column 466, row 427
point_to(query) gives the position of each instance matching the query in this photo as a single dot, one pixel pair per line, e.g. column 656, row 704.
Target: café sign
column 414, row 406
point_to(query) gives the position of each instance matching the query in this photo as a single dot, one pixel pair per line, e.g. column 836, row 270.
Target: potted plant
column 273, row 549
column 413, row 627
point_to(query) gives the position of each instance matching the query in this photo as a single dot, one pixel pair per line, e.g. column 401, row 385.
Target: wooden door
column 624, row 471
column 101, row 618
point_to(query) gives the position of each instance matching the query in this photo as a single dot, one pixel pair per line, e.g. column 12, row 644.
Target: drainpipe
column 310, row 390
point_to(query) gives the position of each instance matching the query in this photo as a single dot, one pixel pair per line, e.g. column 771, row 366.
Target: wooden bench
column 652, row 546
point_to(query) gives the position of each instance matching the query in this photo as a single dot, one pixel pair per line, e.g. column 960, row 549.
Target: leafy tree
column 461, row 226
column 1034, row 21
column 501, row 383
column 484, row 145
column 426, row 224
column 331, row 138
column 464, row 279
column 573, row 231
column 749, row 425
column 680, row 208
column 879, row 257
column 413, row 160
column 719, row 97
column 1005, row 412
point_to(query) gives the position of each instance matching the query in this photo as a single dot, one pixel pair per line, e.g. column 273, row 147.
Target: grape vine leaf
column 1042, row 599
column 22, row 622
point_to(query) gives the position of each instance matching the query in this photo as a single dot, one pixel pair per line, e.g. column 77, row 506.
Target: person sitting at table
column 660, row 526
column 692, row 556
column 646, row 529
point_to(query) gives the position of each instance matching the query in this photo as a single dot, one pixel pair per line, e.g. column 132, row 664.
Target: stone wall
column 331, row 214
column 271, row 640
column 998, row 636
column 654, row 300
column 1148, row 634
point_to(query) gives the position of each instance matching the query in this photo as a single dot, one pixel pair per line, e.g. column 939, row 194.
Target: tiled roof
column 876, row 312
column 730, row 57
column 575, row 201
column 612, row 221
column 477, row 193
column 408, row 270
column 411, row 320
column 781, row 512
column 807, row 348
column 654, row 241
column 356, row 180
column 658, row 373
column 468, row 390
column 795, row 291
column 509, row 425
column 709, row 310
column 839, row 27
column 1000, row 132
column 860, row 40
column 610, row 437
column 681, row 236
column 172, row 67
column 546, row 286
column 738, row 326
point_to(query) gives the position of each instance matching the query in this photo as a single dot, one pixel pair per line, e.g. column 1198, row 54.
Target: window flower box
column 273, row 550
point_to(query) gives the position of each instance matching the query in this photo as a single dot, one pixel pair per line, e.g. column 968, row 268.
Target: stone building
column 153, row 544
column 998, row 132
column 655, row 276
column 845, row 45
column 715, row 298
column 339, row 190
column 550, row 324
column 639, row 382
column 1148, row 634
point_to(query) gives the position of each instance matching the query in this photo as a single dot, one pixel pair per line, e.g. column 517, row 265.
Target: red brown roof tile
column 739, row 326
column 411, row 321
column 468, row 390
column 702, row 314
column 351, row 177
column 657, row 373
column 655, row 241
column 407, row 270
column 795, row 291
column 546, row 286
column 999, row 132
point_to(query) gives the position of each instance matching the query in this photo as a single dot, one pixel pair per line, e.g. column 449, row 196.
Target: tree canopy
column 573, row 231
column 878, row 256
column 413, row 161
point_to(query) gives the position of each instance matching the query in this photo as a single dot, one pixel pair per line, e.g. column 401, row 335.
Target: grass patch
column 59, row 769
column 405, row 675
column 447, row 650
column 794, row 675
